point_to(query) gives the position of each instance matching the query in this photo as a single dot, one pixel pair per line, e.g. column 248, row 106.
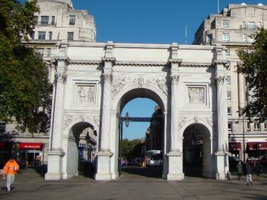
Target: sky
column 149, row 21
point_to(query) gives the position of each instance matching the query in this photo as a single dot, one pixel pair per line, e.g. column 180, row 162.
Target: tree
column 25, row 90
column 254, row 67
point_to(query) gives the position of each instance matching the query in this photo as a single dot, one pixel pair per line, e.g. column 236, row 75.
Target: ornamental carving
column 161, row 83
column 118, row 87
column 108, row 78
column 181, row 122
column 175, row 79
column 68, row 119
column 220, row 79
column 62, row 76
column 141, row 82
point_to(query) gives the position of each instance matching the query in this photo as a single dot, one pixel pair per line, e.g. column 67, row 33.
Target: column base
column 103, row 166
column 222, row 165
column 54, row 167
column 175, row 166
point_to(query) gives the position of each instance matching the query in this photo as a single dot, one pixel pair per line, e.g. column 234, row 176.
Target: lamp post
column 125, row 119
column 87, row 139
column 243, row 134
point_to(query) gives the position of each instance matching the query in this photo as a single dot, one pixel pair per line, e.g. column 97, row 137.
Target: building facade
column 56, row 22
column 235, row 28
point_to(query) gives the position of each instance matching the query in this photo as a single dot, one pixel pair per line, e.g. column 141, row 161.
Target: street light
column 244, row 146
column 127, row 120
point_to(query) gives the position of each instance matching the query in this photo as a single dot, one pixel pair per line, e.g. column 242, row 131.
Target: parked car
column 153, row 158
column 136, row 162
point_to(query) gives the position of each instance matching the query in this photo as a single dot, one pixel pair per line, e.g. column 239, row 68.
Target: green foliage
column 131, row 149
column 254, row 67
column 25, row 91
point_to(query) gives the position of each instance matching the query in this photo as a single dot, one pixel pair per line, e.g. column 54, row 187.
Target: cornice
column 85, row 62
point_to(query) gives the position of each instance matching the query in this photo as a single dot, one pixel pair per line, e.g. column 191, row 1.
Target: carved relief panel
column 85, row 93
column 196, row 95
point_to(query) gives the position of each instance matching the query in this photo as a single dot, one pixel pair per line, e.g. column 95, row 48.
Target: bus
column 153, row 158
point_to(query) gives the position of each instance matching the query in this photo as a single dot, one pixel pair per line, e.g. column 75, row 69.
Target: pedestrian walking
column 9, row 171
column 239, row 170
column 258, row 169
column 249, row 173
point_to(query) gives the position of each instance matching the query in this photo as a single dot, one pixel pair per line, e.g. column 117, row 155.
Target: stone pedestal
column 103, row 166
column 221, row 159
column 175, row 166
column 54, row 170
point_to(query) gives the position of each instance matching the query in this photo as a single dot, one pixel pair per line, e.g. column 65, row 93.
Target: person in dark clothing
column 249, row 174
column 239, row 168
column 258, row 169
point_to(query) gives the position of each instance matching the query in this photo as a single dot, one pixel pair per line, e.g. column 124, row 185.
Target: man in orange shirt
column 10, row 169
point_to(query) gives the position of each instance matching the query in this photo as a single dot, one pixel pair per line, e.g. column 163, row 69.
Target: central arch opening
column 141, row 131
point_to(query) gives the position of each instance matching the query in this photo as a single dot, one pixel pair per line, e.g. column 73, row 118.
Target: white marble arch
column 164, row 73
column 203, row 125
column 129, row 93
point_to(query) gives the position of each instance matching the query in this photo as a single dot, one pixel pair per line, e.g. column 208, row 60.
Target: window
column 245, row 37
column 229, row 95
column 44, row 20
column 228, row 80
column 50, row 35
column 256, row 126
column 70, row 35
column 259, row 25
column 248, row 126
column 227, row 52
column 72, row 20
column 225, row 24
column 33, row 35
column 36, row 19
column 243, row 26
column 225, row 37
column 230, row 126
column 41, row 35
column 53, row 20
column 40, row 51
column 229, row 110
column 2, row 127
column 209, row 38
column 48, row 52
column 265, row 126
column 251, row 25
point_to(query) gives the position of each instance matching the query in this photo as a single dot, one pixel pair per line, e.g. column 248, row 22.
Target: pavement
column 30, row 185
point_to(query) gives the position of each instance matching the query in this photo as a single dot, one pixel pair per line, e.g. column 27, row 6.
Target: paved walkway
column 30, row 185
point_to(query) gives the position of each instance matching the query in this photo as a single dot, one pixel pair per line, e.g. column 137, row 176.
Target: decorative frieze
column 141, row 82
column 68, row 119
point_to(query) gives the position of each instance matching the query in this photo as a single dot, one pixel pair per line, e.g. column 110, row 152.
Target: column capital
column 108, row 78
column 175, row 79
column 220, row 79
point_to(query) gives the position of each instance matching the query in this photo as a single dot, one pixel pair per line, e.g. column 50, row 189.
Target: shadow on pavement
column 153, row 172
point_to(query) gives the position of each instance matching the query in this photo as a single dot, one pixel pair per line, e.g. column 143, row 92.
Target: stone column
column 222, row 117
column 55, row 154
column 175, row 160
column 104, row 155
